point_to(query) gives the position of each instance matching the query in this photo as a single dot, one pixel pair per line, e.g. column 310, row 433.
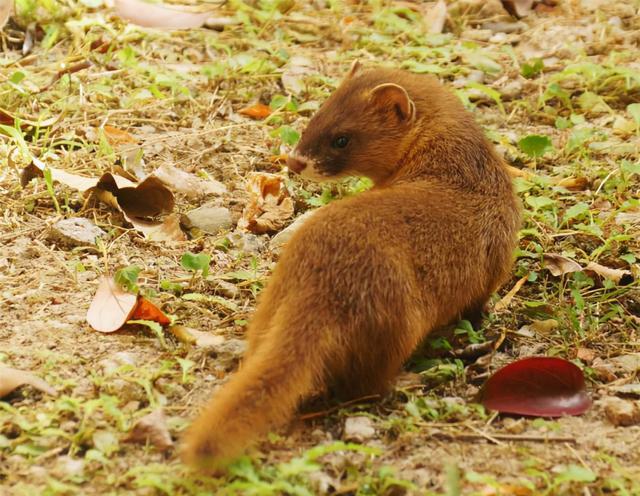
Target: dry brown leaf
column 11, row 379
column 256, row 111
column 152, row 428
column 435, row 16
column 145, row 310
column 559, row 265
column 117, row 136
column 574, row 183
column 153, row 15
column 111, row 306
column 619, row 276
column 6, row 9
column 188, row 184
column 270, row 205
column 506, row 299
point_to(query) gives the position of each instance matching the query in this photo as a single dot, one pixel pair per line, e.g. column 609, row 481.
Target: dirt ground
column 84, row 92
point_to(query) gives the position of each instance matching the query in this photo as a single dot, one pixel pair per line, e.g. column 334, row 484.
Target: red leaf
column 145, row 310
column 537, row 386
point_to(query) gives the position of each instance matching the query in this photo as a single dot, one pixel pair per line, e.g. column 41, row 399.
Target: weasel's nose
column 296, row 164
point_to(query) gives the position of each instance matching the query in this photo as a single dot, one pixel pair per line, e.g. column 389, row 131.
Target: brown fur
column 368, row 277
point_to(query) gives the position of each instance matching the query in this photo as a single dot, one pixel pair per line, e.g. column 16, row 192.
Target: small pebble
column 77, row 231
column 358, row 429
column 622, row 412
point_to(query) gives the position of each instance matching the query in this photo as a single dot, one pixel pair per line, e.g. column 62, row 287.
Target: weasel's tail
column 263, row 394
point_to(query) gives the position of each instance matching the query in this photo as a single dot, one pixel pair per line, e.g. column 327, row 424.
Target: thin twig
column 329, row 411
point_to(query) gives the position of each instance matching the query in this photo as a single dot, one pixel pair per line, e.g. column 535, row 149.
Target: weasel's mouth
column 297, row 163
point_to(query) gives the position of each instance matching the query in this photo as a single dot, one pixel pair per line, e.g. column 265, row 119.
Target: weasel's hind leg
column 376, row 358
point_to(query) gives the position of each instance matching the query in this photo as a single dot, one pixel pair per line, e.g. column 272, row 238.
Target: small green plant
column 196, row 262
column 535, row 145
column 287, row 135
column 127, row 278
column 532, row 68
column 48, row 181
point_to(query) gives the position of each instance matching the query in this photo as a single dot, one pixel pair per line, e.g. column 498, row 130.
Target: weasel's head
column 362, row 129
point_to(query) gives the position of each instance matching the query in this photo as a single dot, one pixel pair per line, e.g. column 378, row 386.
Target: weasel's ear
column 356, row 67
column 394, row 97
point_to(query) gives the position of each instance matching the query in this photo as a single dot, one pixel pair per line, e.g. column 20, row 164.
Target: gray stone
column 358, row 429
column 247, row 242
column 77, row 231
column 209, row 218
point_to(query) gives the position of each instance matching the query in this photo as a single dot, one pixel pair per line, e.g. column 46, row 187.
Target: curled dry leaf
column 11, row 379
column 152, row 428
column 559, row 265
column 537, row 386
column 619, row 276
column 190, row 185
column 256, row 111
column 145, row 310
column 137, row 201
column 111, row 306
column 435, row 16
column 270, row 205
column 153, row 15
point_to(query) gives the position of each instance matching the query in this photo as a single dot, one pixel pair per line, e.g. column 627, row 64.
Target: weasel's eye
column 340, row 142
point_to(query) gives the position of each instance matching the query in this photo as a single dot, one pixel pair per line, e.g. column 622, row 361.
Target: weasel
column 366, row 278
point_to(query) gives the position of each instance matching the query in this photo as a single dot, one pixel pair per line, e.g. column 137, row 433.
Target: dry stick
column 85, row 64
column 504, row 437
column 329, row 411
column 487, row 436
